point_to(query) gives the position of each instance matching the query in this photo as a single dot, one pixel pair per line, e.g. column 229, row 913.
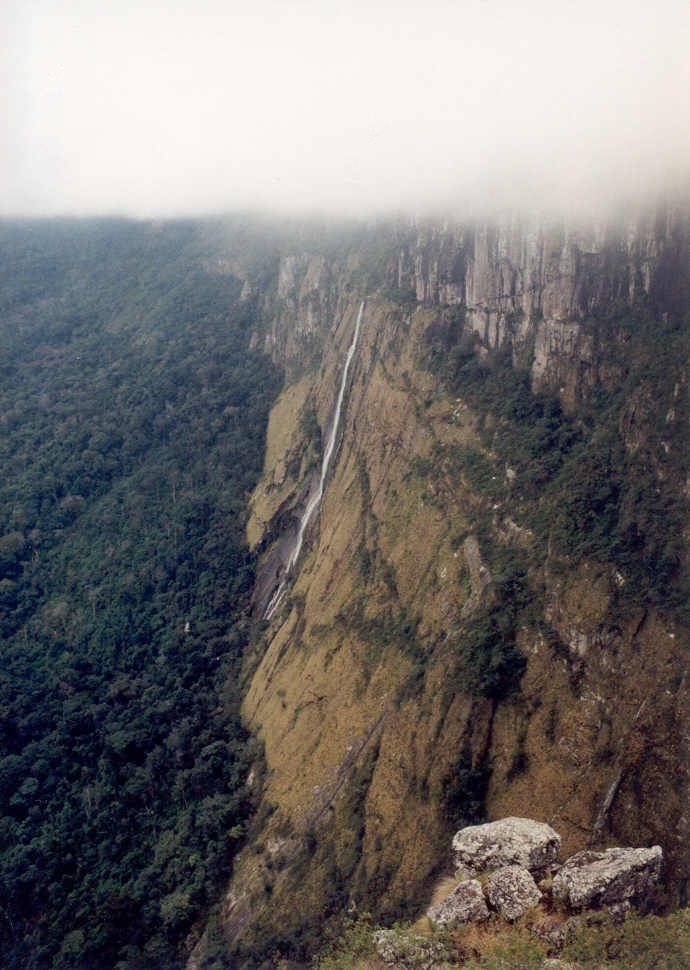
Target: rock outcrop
column 588, row 880
column 509, row 841
column 408, row 951
column 607, row 878
column 466, row 904
column 512, row 891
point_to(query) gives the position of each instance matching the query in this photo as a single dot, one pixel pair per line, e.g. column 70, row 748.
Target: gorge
column 319, row 544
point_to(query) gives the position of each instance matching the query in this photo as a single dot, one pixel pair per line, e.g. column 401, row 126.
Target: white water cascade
column 315, row 500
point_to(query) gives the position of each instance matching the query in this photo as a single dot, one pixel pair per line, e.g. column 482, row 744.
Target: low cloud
column 355, row 108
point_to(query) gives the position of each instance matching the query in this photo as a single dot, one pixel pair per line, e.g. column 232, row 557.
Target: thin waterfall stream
column 315, row 500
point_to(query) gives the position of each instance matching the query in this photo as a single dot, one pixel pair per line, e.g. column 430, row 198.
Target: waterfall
column 315, row 500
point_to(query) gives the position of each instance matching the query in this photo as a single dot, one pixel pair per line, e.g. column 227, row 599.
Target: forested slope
column 132, row 422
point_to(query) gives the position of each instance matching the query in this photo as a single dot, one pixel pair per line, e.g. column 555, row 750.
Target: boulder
column 408, row 951
column 465, row 904
column 512, row 891
column 606, row 878
column 507, row 842
column 556, row 931
column 619, row 912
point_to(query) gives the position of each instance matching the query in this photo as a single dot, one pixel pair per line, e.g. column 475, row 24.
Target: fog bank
column 349, row 109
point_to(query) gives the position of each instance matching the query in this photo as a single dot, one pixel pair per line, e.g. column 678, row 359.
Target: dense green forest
column 132, row 415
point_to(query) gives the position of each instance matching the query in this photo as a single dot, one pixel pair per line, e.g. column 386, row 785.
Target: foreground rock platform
column 507, row 842
column 510, row 850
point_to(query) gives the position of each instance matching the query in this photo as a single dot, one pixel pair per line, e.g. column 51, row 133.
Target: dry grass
column 442, row 890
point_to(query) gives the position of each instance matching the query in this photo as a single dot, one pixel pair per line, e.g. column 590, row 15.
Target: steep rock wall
column 534, row 284
column 377, row 740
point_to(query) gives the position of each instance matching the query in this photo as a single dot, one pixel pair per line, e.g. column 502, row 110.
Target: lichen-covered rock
column 557, row 931
column 465, row 904
column 604, row 878
column 506, row 842
column 408, row 951
column 619, row 912
column 512, row 891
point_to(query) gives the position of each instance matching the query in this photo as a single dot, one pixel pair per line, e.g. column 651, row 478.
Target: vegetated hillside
column 489, row 616
column 132, row 415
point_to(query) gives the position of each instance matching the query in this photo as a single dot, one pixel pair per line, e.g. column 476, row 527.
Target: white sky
column 165, row 107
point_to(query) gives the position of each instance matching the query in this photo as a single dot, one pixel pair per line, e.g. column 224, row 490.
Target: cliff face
column 535, row 284
column 438, row 657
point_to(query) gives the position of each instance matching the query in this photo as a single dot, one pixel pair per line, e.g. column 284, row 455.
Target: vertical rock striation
column 533, row 284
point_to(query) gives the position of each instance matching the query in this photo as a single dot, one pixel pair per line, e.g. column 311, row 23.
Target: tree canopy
column 133, row 412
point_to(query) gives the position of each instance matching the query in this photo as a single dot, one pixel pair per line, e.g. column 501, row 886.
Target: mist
column 179, row 108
